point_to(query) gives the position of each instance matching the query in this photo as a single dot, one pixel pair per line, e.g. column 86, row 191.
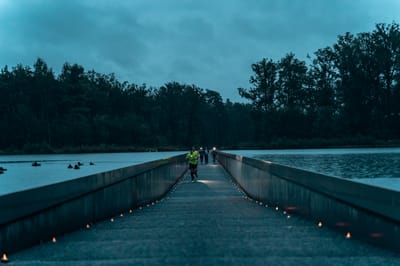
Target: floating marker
column 319, row 224
column 348, row 235
column 54, row 240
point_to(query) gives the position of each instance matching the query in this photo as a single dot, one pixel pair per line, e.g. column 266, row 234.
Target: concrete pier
column 207, row 222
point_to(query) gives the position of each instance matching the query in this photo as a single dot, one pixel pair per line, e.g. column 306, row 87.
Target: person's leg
column 191, row 167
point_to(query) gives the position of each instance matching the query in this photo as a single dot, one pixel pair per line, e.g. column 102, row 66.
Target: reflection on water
column 361, row 164
column 21, row 175
column 346, row 163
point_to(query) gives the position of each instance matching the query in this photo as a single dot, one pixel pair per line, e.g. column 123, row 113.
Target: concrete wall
column 35, row 215
column 369, row 213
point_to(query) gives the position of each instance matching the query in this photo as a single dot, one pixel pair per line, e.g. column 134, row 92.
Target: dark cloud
column 207, row 43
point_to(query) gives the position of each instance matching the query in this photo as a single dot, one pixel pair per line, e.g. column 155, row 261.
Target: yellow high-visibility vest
column 193, row 157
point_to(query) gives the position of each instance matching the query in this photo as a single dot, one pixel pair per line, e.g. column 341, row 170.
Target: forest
column 348, row 94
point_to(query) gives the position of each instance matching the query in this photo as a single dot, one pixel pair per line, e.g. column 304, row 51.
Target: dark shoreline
column 273, row 145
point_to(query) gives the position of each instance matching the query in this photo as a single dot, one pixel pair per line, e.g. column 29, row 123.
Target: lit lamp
column 4, row 258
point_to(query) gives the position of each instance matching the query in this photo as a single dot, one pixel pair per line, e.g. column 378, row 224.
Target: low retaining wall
column 32, row 216
column 365, row 212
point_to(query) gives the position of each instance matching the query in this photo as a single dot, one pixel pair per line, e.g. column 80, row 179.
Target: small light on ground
column 4, row 258
column 54, row 240
column 348, row 235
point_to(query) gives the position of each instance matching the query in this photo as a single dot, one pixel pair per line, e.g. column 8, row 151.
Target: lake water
column 21, row 175
column 376, row 166
column 380, row 166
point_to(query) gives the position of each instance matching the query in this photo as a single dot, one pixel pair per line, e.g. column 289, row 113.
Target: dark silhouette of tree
column 264, row 85
column 323, row 105
column 214, row 121
column 385, row 42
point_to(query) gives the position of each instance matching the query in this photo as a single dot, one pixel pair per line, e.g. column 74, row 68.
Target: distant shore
column 362, row 142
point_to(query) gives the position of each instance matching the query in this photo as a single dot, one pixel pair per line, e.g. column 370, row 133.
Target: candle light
column 4, row 258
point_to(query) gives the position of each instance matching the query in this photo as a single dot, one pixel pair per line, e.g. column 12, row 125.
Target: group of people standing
column 204, row 155
column 193, row 158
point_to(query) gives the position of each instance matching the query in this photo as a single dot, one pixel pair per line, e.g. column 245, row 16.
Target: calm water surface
column 346, row 163
column 378, row 166
column 20, row 174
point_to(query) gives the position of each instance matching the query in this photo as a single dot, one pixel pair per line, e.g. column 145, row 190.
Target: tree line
column 85, row 110
column 350, row 90
column 349, row 93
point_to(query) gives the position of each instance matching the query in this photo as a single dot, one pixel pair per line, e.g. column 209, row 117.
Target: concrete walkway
column 208, row 222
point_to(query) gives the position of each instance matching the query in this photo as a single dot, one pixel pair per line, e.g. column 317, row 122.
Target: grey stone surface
column 207, row 222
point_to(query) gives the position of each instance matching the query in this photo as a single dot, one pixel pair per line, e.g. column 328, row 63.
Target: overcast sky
column 209, row 43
